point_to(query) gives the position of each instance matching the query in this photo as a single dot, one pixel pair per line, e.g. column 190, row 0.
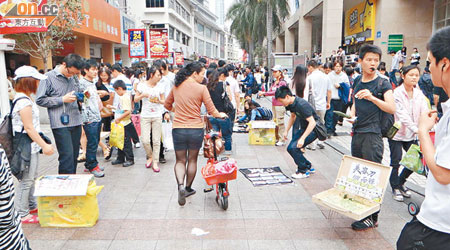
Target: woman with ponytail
column 188, row 94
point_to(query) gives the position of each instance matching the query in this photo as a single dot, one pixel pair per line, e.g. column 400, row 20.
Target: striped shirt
column 11, row 233
column 49, row 95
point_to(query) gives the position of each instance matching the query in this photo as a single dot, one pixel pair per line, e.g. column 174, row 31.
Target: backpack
column 266, row 114
column 386, row 120
column 6, row 131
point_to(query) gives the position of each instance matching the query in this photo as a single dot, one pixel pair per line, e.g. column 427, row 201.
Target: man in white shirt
column 431, row 228
column 234, row 88
column 395, row 65
column 321, row 87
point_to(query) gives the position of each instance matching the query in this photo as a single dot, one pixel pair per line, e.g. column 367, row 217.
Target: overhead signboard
column 26, row 16
column 361, row 18
column 137, row 43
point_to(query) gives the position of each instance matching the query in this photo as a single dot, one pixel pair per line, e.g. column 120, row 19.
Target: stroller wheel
column 413, row 209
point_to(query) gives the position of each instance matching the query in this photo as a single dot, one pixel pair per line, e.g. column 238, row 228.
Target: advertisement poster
column 26, row 16
column 171, row 58
column 137, row 43
column 179, row 58
column 159, row 43
column 361, row 18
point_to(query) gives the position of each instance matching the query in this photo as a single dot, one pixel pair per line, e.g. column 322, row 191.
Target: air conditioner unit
column 7, row 44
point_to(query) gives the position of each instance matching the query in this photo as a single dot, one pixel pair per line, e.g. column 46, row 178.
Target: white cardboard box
column 359, row 188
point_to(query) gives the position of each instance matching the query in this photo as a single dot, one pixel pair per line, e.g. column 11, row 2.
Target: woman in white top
column 152, row 98
column 337, row 77
column 25, row 122
column 258, row 77
column 410, row 104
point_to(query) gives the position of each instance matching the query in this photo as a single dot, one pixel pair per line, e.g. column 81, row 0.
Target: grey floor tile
column 178, row 244
column 225, row 245
column 133, row 244
column 271, row 244
column 47, row 244
column 320, row 244
column 87, row 244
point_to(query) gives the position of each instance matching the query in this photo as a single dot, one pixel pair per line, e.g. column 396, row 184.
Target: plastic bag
column 117, row 136
column 413, row 160
column 167, row 135
column 70, row 211
column 136, row 119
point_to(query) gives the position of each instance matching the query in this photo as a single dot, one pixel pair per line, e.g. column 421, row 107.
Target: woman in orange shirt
column 188, row 94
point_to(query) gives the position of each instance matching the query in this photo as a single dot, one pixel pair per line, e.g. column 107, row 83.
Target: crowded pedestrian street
column 224, row 125
column 139, row 209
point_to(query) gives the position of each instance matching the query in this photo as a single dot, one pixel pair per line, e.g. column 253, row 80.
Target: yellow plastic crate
column 261, row 133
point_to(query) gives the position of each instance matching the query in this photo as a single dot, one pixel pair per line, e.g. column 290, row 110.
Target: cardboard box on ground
column 262, row 133
column 67, row 200
column 359, row 188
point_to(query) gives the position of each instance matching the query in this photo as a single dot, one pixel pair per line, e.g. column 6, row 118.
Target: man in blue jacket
column 249, row 80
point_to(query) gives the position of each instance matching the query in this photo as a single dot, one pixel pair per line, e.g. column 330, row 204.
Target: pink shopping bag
column 136, row 119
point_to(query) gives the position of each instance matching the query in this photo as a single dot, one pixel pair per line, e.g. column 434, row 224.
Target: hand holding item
column 167, row 117
column 300, row 142
column 223, row 115
column 117, row 121
column 69, row 97
column 48, row 149
column 110, row 106
column 428, row 120
column 365, row 94
column 87, row 94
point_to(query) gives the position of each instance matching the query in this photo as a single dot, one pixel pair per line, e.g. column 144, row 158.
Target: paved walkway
column 139, row 210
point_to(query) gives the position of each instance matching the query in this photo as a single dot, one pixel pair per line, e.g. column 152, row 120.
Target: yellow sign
column 361, row 18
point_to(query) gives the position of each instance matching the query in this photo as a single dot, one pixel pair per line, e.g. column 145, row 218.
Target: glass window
column 208, row 32
column 154, row 3
column 178, row 36
column 171, row 31
column 201, row 47
column 208, row 49
column 172, row 4
column 200, row 28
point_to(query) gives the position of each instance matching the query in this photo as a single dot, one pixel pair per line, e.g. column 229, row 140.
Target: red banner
column 179, row 58
column 26, row 16
column 159, row 43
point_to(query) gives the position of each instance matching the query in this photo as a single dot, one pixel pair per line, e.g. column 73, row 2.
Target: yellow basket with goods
column 261, row 133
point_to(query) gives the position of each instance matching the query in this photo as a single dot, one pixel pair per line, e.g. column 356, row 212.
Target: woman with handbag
column 188, row 94
column 152, row 97
column 104, row 84
column 218, row 90
column 25, row 123
column 410, row 104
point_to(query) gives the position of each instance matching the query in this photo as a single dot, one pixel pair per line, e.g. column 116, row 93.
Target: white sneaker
column 397, row 195
column 311, row 147
column 320, row 145
column 228, row 152
column 137, row 145
column 280, row 143
column 300, row 175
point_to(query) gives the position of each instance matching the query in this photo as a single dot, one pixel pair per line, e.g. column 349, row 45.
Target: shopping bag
column 167, row 135
column 413, row 160
column 136, row 119
column 117, row 136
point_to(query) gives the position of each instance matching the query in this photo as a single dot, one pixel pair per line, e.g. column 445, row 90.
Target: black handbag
column 228, row 106
column 320, row 130
column 6, row 132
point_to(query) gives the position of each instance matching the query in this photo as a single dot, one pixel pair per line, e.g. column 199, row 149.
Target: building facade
column 191, row 25
column 324, row 25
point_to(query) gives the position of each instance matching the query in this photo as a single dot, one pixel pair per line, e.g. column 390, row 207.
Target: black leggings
column 182, row 156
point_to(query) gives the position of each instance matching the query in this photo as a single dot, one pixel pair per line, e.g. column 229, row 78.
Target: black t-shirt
column 368, row 114
column 442, row 97
column 216, row 97
column 302, row 109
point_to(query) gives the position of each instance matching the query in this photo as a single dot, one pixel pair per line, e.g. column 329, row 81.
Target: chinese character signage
column 137, row 44
column 26, row 16
column 361, row 18
column 179, row 58
column 159, row 43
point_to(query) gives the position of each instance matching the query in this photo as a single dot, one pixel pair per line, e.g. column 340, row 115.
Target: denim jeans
column 396, row 155
column 224, row 126
column 25, row 199
column 92, row 131
column 331, row 118
column 295, row 152
column 67, row 142
column 392, row 76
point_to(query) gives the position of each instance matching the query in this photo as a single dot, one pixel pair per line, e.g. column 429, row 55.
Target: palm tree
column 255, row 20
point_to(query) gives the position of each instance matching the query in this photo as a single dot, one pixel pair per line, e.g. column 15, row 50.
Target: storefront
column 359, row 26
column 95, row 38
